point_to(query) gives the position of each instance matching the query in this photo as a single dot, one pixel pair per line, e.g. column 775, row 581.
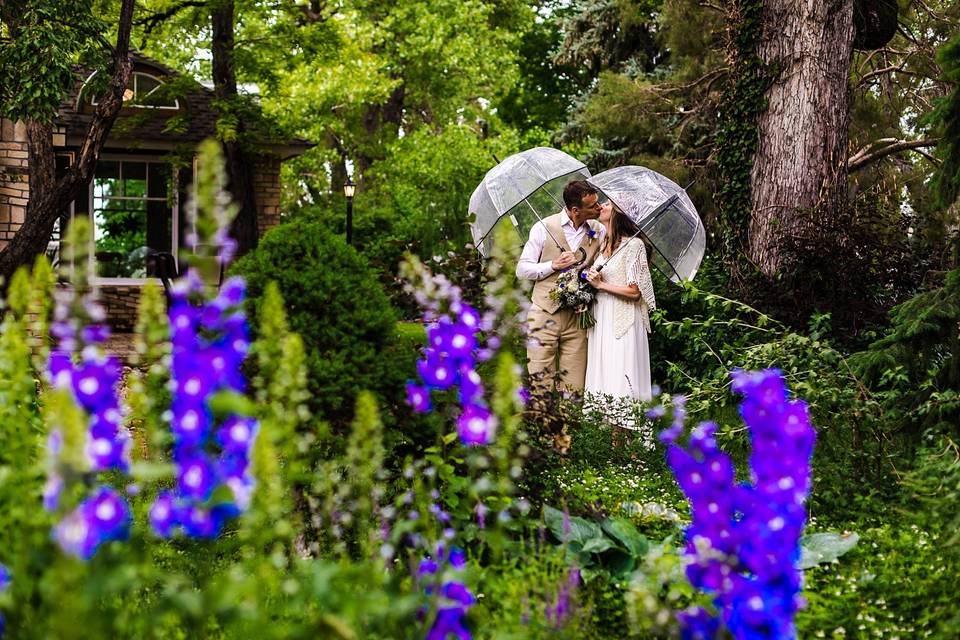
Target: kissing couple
column 602, row 246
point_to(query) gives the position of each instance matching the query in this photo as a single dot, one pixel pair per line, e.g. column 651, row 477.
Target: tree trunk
column 799, row 169
column 50, row 197
column 239, row 170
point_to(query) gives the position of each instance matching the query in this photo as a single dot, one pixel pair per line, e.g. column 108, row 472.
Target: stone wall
column 266, row 186
column 14, row 181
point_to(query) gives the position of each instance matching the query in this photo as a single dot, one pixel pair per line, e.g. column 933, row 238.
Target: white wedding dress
column 618, row 355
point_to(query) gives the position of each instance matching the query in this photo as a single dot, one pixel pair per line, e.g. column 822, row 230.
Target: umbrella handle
column 583, row 256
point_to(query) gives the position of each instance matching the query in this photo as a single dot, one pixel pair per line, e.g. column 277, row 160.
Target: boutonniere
column 591, row 234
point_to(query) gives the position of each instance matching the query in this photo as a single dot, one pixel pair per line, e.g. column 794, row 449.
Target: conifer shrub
column 337, row 306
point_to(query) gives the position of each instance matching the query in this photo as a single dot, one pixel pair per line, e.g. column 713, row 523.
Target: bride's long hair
column 621, row 228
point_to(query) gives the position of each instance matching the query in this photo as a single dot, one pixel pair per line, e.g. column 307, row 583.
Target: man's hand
column 564, row 260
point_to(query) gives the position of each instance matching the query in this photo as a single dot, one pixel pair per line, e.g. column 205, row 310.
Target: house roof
column 150, row 128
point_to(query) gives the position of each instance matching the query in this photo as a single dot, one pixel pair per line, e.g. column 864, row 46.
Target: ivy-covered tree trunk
column 239, row 167
column 799, row 168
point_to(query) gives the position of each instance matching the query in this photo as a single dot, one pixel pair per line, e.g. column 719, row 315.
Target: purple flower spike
column 196, row 477
column 449, row 622
column 163, row 515
column 418, row 397
column 743, row 539
column 110, row 514
column 5, row 578
column 458, row 558
column 476, row 426
column 437, row 372
column 75, row 535
column 237, row 434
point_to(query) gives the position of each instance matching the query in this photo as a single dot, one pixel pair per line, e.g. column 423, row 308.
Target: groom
column 555, row 332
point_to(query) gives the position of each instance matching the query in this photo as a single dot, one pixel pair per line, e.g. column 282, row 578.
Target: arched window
column 144, row 91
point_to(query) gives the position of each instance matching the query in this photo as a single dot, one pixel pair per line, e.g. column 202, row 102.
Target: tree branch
column 865, row 157
column 151, row 22
column 48, row 199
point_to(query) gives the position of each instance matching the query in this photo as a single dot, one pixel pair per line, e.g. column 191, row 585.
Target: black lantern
column 348, row 190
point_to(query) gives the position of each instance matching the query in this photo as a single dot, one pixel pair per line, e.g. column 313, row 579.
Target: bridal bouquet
column 574, row 292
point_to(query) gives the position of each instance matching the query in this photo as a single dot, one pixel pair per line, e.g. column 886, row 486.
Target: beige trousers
column 557, row 335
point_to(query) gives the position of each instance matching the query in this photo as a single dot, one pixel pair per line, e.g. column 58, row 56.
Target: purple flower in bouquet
column 744, row 539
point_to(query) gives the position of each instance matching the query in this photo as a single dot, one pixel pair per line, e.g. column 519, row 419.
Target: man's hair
column 575, row 191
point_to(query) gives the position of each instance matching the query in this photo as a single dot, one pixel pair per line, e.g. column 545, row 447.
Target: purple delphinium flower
column 450, row 359
column 103, row 517
column 5, row 580
column 78, row 366
column 455, row 598
column 418, row 397
column 743, row 539
column 476, row 425
column 210, row 340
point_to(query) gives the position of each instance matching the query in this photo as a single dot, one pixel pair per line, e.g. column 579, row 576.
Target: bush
column 335, row 303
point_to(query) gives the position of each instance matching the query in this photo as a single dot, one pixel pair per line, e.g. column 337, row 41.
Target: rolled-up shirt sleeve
column 529, row 266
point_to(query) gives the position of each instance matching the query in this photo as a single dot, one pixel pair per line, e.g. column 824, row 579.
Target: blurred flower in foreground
column 5, row 580
column 210, row 341
column 100, row 518
column 744, row 539
column 81, row 373
column 455, row 598
column 453, row 350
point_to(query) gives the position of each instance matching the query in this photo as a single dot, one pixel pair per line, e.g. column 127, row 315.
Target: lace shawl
column 628, row 267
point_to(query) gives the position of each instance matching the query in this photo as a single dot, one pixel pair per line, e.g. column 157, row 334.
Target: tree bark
column 239, row 167
column 50, row 197
column 799, row 169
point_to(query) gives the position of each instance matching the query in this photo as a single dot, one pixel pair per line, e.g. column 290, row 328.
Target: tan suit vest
column 542, row 288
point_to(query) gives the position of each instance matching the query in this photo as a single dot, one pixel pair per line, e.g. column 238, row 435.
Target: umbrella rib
column 656, row 214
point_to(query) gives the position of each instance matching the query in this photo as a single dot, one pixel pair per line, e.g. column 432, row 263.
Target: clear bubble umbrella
column 664, row 213
column 523, row 188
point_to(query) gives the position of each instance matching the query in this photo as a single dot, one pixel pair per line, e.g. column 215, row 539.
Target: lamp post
column 348, row 190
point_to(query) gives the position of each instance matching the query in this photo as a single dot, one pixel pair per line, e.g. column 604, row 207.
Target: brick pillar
column 266, row 186
column 14, row 178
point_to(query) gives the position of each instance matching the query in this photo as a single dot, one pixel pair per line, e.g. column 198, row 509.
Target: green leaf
column 818, row 548
column 226, row 402
column 580, row 530
column 623, row 531
column 598, row 545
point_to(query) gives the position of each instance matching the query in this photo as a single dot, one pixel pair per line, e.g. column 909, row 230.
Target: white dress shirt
column 529, row 266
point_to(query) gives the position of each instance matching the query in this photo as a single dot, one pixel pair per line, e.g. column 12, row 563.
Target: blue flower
column 101, row 518
column 210, row 342
column 476, row 425
column 5, row 578
column 418, row 397
column 743, row 540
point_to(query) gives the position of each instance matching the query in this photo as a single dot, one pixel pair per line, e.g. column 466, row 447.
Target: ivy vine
column 742, row 103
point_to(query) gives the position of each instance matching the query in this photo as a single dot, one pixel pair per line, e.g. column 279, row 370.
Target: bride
column 618, row 356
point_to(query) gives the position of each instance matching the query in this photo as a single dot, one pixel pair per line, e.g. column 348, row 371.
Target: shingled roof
column 162, row 129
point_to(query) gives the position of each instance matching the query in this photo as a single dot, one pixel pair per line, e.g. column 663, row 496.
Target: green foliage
column 336, row 305
column 40, row 44
column 737, row 138
column 614, row 547
column 914, row 369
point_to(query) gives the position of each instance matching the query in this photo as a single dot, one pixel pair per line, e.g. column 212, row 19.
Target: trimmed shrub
column 342, row 313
